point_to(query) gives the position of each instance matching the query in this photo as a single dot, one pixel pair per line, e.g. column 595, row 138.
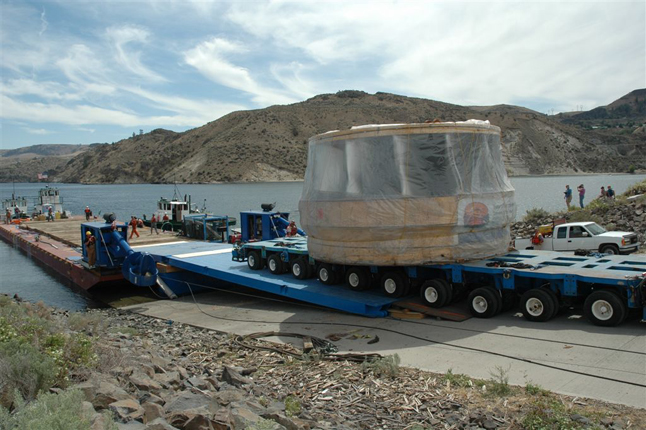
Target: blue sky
column 97, row 71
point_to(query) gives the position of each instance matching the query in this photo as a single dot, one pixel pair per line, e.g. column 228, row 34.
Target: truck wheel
column 537, row 305
column 555, row 302
column 254, row 260
column 325, row 274
column 484, row 302
column 357, row 278
column 610, row 249
column 275, row 264
column 436, row 293
column 300, row 269
column 394, row 284
column 604, row 308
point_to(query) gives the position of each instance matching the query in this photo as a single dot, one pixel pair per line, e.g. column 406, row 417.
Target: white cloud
column 209, row 59
column 43, row 23
column 121, row 38
column 40, row 131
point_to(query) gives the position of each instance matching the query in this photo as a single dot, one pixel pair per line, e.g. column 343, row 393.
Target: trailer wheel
column 275, row 264
column 610, row 249
column 254, row 260
column 394, row 284
column 300, row 269
column 325, row 274
column 436, row 293
column 484, row 302
column 605, row 308
column 357, row 278
column 555, row 302
column 537, row 305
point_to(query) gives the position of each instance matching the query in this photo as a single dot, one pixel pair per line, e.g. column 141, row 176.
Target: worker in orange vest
column 133, row 224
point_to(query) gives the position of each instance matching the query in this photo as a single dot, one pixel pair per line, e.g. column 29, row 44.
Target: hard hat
column 88, row 233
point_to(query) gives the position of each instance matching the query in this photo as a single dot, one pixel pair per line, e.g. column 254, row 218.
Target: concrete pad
column 546, row 354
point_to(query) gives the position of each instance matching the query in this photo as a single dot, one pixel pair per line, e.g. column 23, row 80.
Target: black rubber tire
column 299, row 268
column 509, row 300
column 394, row 284
column 555, row 302
column 484, row 302
column 326, row 274
column 610, row 249
column 358, row 278
column 537, row 305
column 605, row 308
column 435, row 293
column 254, row 260
column 275, row 264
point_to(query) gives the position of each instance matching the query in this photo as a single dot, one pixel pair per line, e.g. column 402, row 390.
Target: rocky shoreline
column 157, row 375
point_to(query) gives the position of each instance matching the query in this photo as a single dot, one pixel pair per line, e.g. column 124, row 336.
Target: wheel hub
column 296, row 269
column 353, row 279
column 535, row 307
column 390, row 286
column 480, row 304
column 602, row 310
column 430, row 295
column 324, row 275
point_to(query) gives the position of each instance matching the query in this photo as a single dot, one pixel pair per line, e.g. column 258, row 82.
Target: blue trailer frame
column 608, row 286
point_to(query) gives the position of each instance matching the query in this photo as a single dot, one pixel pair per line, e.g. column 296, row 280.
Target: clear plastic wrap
column 407, row 194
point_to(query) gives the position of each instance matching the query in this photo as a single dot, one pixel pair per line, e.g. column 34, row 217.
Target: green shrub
column 88, row 322
column 548, row 413
column 457, row 380
column 292, row 406
column 383, row 366
column 584, row 215
column 535, row 390
column 25, row 370
column 499, row 382
column 535, row 215
column 49, row 412
column 638, row 188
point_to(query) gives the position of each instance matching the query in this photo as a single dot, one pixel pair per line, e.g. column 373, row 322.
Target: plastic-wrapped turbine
column 407, row 194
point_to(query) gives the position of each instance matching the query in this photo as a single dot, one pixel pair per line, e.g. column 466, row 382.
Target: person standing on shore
column 581, row 190
column 153, row 224
column 7, row 217
column 50, row 214
column 610, row 193
column 88, row 213
column 603, row 194
column 567, row 196
column 133, row 225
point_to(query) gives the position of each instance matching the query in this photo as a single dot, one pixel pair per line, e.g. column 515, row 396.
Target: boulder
column 127, row 410
column 152, row 411
column 107, row 393
column 159, row 424
column 186, row 400
column 181, row 418
column 145, row 383
column 233, row 377
column 227, row 396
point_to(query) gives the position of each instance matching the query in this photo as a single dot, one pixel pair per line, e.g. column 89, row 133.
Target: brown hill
column 271, row 144
column 24, row 164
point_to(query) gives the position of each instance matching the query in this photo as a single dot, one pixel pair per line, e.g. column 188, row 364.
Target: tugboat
column 50, row 197
column 170, row 214
column 17, row 206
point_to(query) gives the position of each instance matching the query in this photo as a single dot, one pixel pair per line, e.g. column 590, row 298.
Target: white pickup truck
column 583, row 235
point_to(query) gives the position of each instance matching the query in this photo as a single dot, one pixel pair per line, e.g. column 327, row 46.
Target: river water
column 20, row 275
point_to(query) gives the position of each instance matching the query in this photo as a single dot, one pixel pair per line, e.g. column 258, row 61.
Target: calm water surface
column 20, row 275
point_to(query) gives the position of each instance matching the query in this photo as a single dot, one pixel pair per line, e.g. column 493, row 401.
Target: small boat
column 50, row 197
column 170, row 214
column 18, row 206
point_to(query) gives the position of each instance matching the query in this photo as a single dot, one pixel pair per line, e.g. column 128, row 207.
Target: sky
column 80, row 72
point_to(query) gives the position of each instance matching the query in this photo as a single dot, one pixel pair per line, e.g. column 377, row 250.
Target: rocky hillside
column 271, row 144
column 24, row 164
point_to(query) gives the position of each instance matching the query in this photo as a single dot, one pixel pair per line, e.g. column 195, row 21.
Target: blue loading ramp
column 204, row 262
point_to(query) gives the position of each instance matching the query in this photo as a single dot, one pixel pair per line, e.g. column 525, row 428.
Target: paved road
column 567, row 355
